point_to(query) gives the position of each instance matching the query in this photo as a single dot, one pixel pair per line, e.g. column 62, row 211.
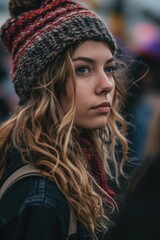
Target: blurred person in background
column 8, row 98
column 140, row 216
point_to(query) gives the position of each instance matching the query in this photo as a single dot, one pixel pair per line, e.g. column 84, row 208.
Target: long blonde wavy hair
column 45, row 137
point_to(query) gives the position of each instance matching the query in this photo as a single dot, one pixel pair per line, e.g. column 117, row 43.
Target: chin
column 95, row 125
column 99, row 124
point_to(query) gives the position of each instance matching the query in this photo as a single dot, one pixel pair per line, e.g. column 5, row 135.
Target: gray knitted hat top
column 38, row 31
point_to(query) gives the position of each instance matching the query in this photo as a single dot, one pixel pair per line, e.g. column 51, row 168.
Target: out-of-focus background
column 8, row 98
column 136, row 25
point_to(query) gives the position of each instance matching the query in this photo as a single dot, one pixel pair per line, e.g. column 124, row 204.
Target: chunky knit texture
column 37, row 36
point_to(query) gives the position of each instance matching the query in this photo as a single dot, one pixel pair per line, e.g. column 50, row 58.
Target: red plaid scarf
column 94, row 165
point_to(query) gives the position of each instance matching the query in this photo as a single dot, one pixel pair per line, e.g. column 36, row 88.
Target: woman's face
column 94, row 66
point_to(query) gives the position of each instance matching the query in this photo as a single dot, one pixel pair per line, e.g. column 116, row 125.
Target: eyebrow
column 90, row 60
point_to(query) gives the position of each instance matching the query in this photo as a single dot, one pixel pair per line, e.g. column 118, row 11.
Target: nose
column 105, row 83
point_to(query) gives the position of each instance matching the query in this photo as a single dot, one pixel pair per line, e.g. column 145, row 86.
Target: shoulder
column 34, row 191
column 42, row 190
column 34, row 206
column 31, row 190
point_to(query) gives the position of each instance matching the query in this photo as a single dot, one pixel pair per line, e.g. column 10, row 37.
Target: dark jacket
column 34, row 208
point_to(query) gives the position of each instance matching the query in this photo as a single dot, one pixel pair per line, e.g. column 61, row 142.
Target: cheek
column 83, row 93
column 112, row 92
column 80, row 100
column 66, row 97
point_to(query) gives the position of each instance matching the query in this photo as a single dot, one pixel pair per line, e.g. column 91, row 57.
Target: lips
column 102, row 105
column 102, row 108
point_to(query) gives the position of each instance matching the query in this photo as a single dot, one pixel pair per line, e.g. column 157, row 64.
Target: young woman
column 67, row 123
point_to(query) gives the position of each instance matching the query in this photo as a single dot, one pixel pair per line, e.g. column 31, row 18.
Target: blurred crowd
column 8, row 98
column 136, row 25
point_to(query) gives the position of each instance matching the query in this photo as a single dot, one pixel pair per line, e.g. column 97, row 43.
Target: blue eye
column 82, row 70
column 110, row 69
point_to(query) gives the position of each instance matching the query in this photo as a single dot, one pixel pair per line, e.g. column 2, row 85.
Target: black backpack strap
column 29, row 170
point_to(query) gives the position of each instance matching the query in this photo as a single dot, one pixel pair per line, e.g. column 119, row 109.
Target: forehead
column 93, row 48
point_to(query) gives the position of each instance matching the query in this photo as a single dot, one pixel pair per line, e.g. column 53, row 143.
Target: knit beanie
column 40, row 30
